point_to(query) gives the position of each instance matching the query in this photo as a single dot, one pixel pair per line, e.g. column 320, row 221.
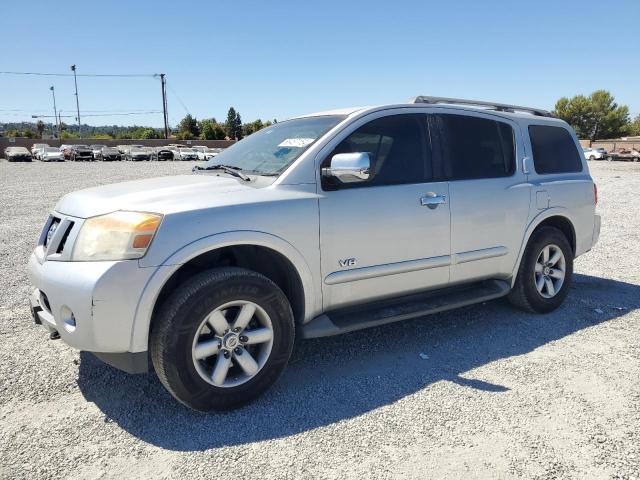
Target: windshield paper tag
column 296, row 142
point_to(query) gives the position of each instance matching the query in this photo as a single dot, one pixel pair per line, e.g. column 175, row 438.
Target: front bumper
column 92, row 305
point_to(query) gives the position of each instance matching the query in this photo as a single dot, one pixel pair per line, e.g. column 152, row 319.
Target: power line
column 145, row 75
column 102, row 114
column 130, row 110
column 179, row 100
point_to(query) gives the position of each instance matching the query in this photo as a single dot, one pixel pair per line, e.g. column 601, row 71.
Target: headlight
column 115, row 236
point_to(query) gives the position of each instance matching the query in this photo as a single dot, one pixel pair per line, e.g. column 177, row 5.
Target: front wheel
column 545, row 272
column 222, row 338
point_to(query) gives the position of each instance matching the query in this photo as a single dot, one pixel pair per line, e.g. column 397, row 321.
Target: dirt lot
column 498, row 394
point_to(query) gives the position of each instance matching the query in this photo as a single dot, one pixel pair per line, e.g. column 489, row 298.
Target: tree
column 634, row 127
column 145, row 133
column 233, row 125
column 594, row 117
column 189, row 125
column 40, row 127
column 253, row 127
column 238, row 126
column 211, row 130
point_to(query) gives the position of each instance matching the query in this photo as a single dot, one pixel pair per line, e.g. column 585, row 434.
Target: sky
column 287, row 58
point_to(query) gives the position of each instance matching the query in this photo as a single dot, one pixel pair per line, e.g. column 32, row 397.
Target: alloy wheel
column 233, row 343
column 550, row 270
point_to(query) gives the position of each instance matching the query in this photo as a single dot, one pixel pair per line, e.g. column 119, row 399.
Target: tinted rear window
column 554, row 150
column 474, row 147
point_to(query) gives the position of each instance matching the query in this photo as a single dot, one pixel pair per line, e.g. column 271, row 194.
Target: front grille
column 57, row 233
column 63, row 241
column 53, row 226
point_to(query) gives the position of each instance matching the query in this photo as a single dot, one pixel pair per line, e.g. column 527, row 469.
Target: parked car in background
column 126, row 151
column 81, row 153
column 37, row 148
column 109, row 154
column 199, row 149
column 625, row 155
column 205, row 153
column 65, row 149
column 212, row 152
column 594, row 153
column 122, row 148
column 96, row 150
column 138, row 153
column 187, row 154
column 163, row 154
column 17, row 154
column 175, row 151
column 50, row 154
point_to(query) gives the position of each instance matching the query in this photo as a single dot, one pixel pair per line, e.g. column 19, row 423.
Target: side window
column 397, row 147
column 554, row 150
column 473, row 147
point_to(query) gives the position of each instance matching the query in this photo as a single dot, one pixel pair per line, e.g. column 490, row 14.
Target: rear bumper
column 596, row 229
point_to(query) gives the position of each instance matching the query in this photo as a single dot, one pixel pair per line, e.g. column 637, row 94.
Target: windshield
column 271, row 150
column 51, row 150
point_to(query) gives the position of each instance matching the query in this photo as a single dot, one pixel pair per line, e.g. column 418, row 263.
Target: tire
column 525, row 293
column 178, row 329
column 592, row 158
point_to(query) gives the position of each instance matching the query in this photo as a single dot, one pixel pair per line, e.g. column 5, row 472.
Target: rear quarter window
column 554, row 150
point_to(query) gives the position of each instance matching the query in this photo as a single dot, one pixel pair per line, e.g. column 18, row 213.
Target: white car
column 17, row 154
column 51, row 154
column 37, row 148
column 595, row 153
column 316, row 226
column 187, row 154
column 200, row 151
column 209, row 153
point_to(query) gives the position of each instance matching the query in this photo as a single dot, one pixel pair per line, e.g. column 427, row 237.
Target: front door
column 388, row 235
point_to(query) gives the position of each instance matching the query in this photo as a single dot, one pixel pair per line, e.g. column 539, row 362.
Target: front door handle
column 432, row 200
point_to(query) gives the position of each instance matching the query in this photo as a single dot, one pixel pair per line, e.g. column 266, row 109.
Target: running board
column 402, row 308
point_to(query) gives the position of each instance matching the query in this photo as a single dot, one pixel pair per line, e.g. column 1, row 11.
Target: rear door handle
column 432, row 200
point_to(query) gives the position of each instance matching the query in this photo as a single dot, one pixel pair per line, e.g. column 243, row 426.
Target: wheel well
column 564, row 225
column 263, row 260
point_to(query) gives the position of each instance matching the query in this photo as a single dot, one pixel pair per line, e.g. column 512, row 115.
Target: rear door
column 379, row 238
column 489, row 193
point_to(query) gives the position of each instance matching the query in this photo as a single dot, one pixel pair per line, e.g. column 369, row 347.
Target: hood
column 159, row 195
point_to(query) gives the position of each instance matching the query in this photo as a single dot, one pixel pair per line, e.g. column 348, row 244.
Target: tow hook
column 54, row 335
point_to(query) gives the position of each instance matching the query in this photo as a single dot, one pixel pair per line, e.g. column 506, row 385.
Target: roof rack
column 500, row 107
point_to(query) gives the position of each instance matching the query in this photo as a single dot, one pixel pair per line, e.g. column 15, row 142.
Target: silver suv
column 315, row 226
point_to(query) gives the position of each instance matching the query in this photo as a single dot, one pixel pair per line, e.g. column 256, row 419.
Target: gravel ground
column 485, row 392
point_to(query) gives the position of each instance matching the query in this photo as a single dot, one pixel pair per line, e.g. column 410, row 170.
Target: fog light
column 68, row 319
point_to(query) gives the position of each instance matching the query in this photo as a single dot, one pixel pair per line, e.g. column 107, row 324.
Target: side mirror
column 349, row 167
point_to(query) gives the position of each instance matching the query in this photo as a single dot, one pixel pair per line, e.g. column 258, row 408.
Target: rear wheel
column 545, row 272
column 222, row 338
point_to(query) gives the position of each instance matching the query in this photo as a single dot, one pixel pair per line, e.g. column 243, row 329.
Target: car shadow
column 338, row 378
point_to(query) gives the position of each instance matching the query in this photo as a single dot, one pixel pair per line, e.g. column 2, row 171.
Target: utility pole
column 163, row 84
column 75, row 80
column 55, row 113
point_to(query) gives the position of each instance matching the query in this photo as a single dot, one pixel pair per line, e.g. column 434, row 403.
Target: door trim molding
column 483, row 254
column 375, row 271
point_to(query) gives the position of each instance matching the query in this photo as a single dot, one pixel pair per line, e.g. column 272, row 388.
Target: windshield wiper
column 231, row 170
